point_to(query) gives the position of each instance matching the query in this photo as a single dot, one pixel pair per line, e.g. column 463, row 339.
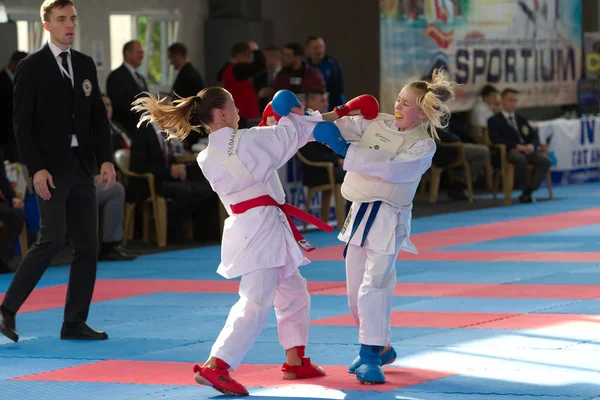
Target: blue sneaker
column 386, row 358
column 370, row 371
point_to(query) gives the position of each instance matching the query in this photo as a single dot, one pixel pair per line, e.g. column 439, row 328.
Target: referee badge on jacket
column 525, row 130
column 87, row 87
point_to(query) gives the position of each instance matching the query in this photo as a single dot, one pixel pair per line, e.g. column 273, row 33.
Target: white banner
column 574, row 148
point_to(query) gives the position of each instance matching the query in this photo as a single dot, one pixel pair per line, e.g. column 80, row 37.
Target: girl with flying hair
column 385, row 158
column 260, row 242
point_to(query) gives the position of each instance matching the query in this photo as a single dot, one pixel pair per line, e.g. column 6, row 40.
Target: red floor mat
column 250, row 375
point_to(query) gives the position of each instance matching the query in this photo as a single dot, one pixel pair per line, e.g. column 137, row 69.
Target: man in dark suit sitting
column 63, row 137
column 7, row 135
column 124, row 84
column 150, row 154
column 522, row 142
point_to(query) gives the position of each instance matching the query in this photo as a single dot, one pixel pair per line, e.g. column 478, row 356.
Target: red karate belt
column 289, row 211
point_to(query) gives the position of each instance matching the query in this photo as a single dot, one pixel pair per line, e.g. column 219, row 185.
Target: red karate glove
column 366, row 104
column 268, row 112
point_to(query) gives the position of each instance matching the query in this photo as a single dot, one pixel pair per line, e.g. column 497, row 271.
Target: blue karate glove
column 328, row 133
column 283, row 101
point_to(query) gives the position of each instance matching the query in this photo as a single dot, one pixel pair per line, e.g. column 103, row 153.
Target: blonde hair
column 49, row 5
column 432, row 101
column 185, row 115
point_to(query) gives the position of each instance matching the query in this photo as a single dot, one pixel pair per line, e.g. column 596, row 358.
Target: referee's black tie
column 65, row 65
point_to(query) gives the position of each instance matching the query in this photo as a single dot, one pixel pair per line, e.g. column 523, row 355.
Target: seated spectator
column 111, row 203
column 486, row 106
column 522, row 143
column 316, row 99
column 118, row 135
column 12, row 216
column 478, row 155
column 445, row 156
column 150, row 154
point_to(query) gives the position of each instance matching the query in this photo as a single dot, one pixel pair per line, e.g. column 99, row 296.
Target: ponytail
column 173, row 119
column 179, row 119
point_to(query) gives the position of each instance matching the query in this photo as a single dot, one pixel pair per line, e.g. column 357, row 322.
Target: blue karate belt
column 362, row 210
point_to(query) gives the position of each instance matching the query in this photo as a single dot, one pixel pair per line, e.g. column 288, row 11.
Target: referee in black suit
column 62, row 133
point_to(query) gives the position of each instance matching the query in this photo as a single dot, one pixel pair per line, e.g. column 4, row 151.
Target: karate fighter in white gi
column 385, row 157
column 260, row 243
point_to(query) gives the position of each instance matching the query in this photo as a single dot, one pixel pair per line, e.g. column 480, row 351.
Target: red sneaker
column 219, row 379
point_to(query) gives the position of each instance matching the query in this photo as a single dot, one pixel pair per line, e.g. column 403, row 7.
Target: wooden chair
column 488, row 168
column 155, row 207
column 23, row 241
column 435, row 173
column 326, row 191
column 507, row 169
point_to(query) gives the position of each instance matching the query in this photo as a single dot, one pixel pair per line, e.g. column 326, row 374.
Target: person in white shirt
column 486, row 107
column 384, row 159
column 260, row 241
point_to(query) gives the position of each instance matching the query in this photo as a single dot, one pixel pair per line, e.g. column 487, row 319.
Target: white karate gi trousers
column 260, row 291
column 370, row 281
